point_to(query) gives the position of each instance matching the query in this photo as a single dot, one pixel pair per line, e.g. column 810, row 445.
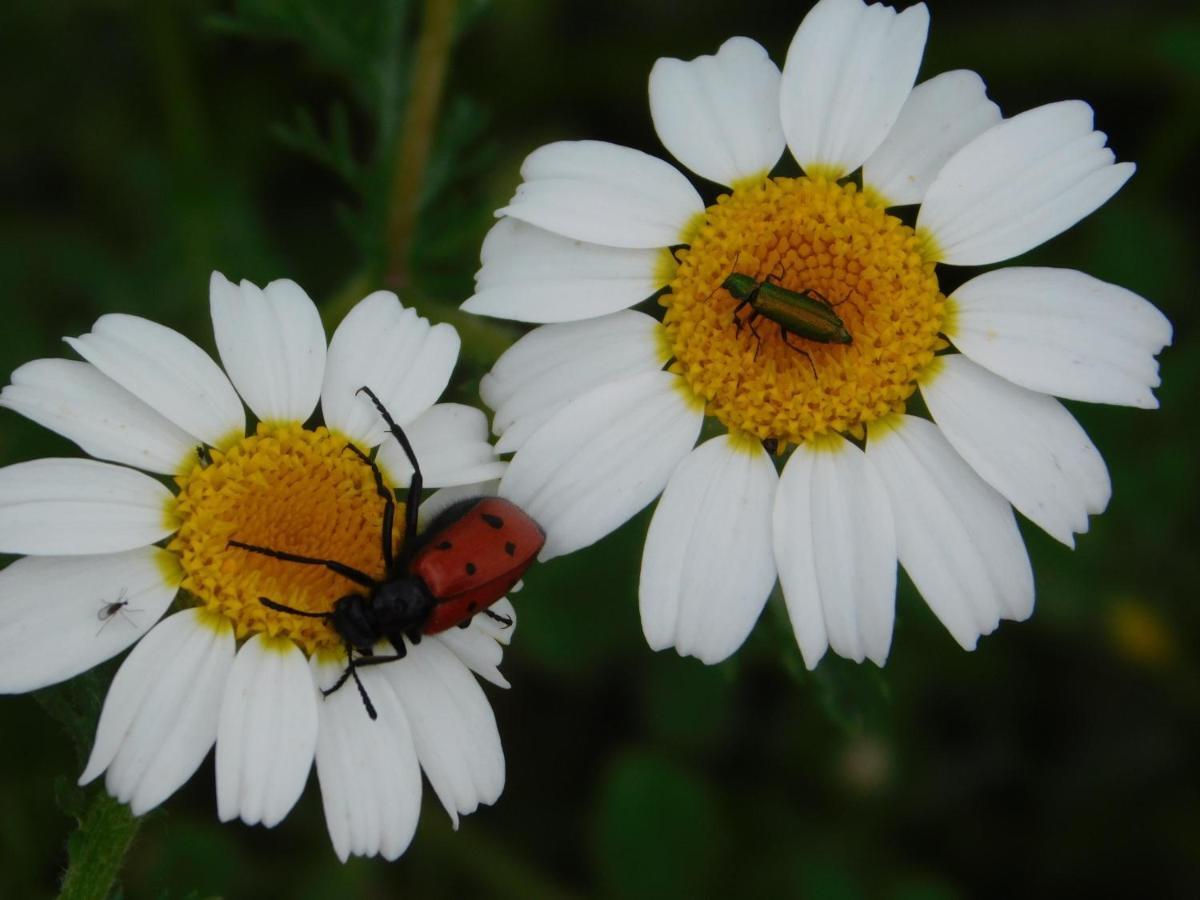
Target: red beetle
column 470, row 556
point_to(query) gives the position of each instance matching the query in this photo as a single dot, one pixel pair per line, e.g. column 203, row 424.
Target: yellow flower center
column 287, row 489
column 778, row 380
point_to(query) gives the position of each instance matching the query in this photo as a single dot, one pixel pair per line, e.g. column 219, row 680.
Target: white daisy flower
column 108, row 548
column 604, row 406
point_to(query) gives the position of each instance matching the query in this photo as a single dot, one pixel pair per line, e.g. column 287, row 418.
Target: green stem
column 98, row 848
column 416, row 139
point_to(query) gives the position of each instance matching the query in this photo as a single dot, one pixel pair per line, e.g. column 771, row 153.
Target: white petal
column 443, row 499
column 166, row 371
column 957, row 537
column 551, row 366
column 401, row 357
column 1061, row 332
column 940, row 117
column 1019, row 184
column 835, row 546
column 719, row 115
column 604, row 194
column 272, row 344
column 57, row 618
column 498, row 631
column 453, row 727
column 1024, row 444
column 601, row 458
column 533, row 275
column 481, row 644
column 75, row 400
column 75, row 506
column 707, row 567
column 267, row 732
column 848, row 72
column 451, row 444
column 160, row 716
column 370, row 780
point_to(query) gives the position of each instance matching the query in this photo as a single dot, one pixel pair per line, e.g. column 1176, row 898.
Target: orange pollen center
column 766, row 372
column 287, row 489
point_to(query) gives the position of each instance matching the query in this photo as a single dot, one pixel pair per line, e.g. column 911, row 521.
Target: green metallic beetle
column 805, row 314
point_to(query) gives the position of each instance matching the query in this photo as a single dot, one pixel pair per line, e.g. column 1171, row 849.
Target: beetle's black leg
column 833, row 305
column 750, row 320
column 389, row 508
column 505, row 621
column 351, row 672
column 279, row 607
column 377, row 660
column 341, row 568
column 783, row 333
column 412, row 500
column 738, row 321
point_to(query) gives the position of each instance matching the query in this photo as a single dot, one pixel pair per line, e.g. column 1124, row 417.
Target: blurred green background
column 146, row 144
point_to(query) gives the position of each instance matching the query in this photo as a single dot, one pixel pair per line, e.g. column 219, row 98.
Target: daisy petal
column 835, row 545
column 940, row 117
column 370, row 780
column 539, row 374
column 707, row 568
column 1019, row 184
column 479, row 651
column 441, row 500
column 56, row 618
column 1024, row 444
column 166, row 371
column 267, row 732
column 401, row 357
column 453, row 727
column 272, row 344
column 451, row 444
column 533, row 275
column 481, row 645
column 848, row 72
column 160, row 716
column 601, row 458
column 719, row 115
column 604, row 194
column 958, row 539
column 499, row 631
column 1061, row 332
column 77, row 506
column 75, row 400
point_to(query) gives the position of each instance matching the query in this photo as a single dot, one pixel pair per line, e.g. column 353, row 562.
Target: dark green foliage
column 147, row 144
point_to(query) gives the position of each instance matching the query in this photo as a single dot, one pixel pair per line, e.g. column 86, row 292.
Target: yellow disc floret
column 288, row 489
column 813, row 236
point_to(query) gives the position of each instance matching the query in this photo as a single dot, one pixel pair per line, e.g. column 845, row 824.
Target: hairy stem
column 417, row 135
column 98, row 848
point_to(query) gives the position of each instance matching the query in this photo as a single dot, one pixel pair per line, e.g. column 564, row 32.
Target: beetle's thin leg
column 389, row 508
column 333, row 565
column 279, row 607
column 412, row 500
column 505, row 621
column 351, row 672
column 783, row 332
column 377, row 660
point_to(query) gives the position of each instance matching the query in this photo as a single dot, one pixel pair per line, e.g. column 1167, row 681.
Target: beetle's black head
column 354, row 621
column 401, row 604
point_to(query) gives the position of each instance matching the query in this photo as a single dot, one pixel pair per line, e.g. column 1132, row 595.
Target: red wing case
column 476, row 560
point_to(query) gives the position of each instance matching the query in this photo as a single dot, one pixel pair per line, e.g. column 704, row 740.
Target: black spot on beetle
column 444, row 545
column 494, row 521
column 470, row 568
column 510, row 548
